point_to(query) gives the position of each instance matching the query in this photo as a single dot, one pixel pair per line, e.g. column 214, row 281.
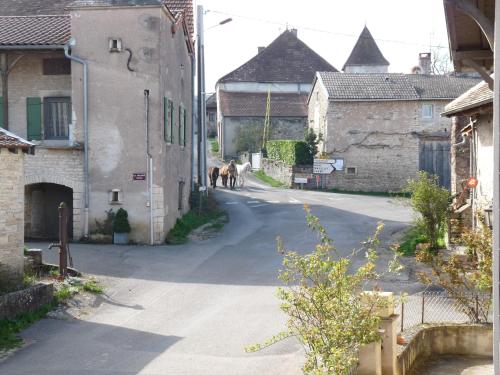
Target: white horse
column 243, row 172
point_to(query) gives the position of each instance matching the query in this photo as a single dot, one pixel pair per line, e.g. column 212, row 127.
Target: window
column 56, row 117
column 52, row 67
column 351, row 170
column 115, row 196
column 182, row 126
column 115, row 45
column 211, row 116
column 427, row 111
column 168, row 113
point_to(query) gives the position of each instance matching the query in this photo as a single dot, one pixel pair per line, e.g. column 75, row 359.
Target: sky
column 401, row 28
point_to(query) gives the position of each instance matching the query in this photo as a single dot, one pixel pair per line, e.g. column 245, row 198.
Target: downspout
column 193, row 118
column 79, row 60
column 149, row 161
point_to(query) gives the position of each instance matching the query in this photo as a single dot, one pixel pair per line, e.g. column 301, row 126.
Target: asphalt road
column 192, row 309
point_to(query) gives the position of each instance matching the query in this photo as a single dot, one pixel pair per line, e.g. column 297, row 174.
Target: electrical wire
column 285, row 24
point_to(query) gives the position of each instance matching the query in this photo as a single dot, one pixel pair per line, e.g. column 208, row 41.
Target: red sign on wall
column 139, row 176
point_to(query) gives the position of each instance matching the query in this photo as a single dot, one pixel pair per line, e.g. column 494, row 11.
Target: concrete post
column 370, row 359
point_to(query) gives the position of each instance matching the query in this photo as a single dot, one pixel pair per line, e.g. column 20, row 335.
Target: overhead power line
column 285, row 24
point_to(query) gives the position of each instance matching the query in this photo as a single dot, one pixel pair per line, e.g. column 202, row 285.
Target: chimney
column 294, row 32
column 424, row 61
column 260, row 49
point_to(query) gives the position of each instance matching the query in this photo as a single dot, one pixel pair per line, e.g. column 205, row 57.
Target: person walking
column 233, row 174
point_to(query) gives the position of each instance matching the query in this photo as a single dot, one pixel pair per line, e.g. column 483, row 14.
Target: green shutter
column 184, row 126
column 1, row 112
column 180, row 125
column 165, row 120
column 172, row 119
column 34, row 117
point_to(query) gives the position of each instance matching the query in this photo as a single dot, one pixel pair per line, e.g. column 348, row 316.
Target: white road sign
column 327, row 166
column 300, row 180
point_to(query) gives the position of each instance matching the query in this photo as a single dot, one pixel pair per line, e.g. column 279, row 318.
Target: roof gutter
column 67, row 49
column 33, row 47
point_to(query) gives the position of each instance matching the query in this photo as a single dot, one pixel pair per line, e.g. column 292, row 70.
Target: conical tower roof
column 366, row 52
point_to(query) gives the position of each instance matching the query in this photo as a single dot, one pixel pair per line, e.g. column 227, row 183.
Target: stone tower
column 366, row 56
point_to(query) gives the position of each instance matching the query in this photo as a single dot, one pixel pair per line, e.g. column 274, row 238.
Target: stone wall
column 474, row 340
column 278, row 170
column 11, row 219
column 24, row 301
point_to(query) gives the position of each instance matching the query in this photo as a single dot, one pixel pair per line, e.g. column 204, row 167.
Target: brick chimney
column 424, row 61
column 260, row 49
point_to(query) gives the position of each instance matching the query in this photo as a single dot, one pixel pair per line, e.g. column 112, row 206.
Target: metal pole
column 423, row 307
column 402, row 316
column 63, row 240
column 202, row 157
column 496, row 200
column 193, row 119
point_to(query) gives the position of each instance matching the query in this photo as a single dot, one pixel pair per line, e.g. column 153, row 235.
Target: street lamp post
column 202, row 104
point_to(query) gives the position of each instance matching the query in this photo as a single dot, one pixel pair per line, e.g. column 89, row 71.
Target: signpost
column 300, row 181
column 327, row 166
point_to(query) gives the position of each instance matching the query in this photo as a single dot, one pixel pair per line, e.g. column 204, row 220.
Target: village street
column 192, row 309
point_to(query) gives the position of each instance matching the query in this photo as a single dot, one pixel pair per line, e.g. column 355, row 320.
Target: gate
column 256, row 159
column 435, row 159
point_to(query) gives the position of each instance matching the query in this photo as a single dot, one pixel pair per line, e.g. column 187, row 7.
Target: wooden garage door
column 435, row 159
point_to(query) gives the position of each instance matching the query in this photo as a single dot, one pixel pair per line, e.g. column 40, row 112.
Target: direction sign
column 327, row 166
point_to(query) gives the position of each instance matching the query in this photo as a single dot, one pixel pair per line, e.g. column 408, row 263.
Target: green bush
column 289, row 152
column 431, row 201
column 121, row 224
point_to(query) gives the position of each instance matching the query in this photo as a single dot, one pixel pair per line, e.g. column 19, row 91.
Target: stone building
column 129, row 144
column 472, row 150
column 385, row 127
column 211, row 115
column 12, row 150
column 282, row 71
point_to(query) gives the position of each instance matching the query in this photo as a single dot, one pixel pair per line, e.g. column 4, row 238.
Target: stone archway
column 41, row 210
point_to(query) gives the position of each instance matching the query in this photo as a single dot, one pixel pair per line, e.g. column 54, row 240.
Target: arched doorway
column 41, row 215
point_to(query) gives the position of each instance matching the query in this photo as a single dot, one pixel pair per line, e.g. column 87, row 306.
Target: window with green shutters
column 182, row 126
column 168, row 110
column 34, row 118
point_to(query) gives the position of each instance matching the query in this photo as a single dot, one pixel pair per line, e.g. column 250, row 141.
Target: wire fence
column 440, row 307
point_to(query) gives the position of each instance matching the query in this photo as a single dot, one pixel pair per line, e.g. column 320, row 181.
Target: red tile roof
column 12, row 141
column 242, row 104
column 178, row 7
column 34, row 30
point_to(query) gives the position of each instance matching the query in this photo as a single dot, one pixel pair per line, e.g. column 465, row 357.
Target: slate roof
column 11, row 141
column 240, row 104
column 212, row 101
column 33, row 7
column 477, row 96
column 394, row 86
column 286, row 59
column 366, row 52
column 54, row 30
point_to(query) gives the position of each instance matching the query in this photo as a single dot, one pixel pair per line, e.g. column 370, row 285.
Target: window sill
column 58, row 144
column 115, row 203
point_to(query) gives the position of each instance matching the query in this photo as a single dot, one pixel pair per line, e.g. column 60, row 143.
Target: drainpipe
column 67, row 49
column 193, row 119
column 149, row 160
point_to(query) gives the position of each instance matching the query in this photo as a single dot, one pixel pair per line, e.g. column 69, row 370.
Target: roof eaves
column 458, row 110
column 31, row 46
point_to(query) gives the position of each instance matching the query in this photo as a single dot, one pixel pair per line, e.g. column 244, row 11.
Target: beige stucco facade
column 125, row 112
column 379, row 140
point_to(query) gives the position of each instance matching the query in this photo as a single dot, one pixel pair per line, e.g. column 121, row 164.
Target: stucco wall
column 483, row 194
column 380, row 140
column 280, row 128
column 474, row 340
column 11, row 219
column 117, row 112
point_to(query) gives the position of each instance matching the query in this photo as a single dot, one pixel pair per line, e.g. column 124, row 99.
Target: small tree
column 326, row 307
column 313, row 140
column 121, row 224
column 431, row 201
column 468, row 278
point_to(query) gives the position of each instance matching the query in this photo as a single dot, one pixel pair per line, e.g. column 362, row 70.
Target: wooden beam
column 480, row 54
column 485, row 24
column 481, row 70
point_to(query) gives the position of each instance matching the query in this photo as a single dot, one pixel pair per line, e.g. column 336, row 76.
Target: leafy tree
column 121, row 224
column 468, row 277
column 324, row 300
column 313, row 140
column 431, row 201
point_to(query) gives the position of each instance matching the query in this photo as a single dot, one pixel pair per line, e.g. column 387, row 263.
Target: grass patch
column 9, row 328
column 412, row 238
column 193, row 219
column 268, row 179
column 214, row 146
column 93, row 286
column 63, row 293
column 371, row 193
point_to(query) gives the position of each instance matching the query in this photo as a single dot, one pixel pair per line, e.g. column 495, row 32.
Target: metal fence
column 439, row 307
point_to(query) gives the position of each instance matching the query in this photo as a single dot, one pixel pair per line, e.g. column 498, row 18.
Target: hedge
column 290, row 152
